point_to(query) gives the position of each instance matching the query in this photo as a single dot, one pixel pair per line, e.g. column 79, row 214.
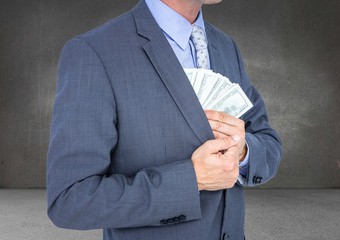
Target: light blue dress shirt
column 177, row 31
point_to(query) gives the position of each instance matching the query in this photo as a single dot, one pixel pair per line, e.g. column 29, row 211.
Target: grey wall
column 291, row 52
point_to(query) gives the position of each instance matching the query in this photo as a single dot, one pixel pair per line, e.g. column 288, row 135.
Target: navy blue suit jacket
column 125, row 124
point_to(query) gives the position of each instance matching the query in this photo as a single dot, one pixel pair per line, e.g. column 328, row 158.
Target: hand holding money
column 216, row 162
column 224, row 125
column 227, row 99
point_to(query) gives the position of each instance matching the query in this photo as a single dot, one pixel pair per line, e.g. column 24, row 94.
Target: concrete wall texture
column 291, row 51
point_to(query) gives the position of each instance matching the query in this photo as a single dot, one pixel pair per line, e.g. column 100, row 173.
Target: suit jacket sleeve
column 82, row 193
column 264, row 143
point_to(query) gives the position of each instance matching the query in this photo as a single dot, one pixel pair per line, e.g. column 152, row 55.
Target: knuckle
column 241, row 122
column 224, row 117
column 238, row 133
column 218, row 125
column 216, row 134
column 242, row 132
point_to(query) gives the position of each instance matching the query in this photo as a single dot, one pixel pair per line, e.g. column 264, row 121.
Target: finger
column 222, row 117
column 219, row 135
column 217, row 145
column 223, row 128
column 230, row 158
column 241, row 144
column 231, row 151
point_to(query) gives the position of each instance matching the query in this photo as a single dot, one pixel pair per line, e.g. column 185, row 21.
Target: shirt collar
column 172, row 23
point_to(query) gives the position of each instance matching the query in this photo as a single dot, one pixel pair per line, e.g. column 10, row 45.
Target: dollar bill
column 217, row 92
column 235, row 102
column 207, row 82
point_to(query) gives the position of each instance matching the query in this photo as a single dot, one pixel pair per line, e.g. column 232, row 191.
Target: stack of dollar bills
column 216, row 92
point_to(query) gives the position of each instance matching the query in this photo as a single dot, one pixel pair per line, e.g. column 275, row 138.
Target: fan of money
column 216, row 92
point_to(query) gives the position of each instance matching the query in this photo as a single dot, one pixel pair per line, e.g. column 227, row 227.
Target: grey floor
column 271, row 214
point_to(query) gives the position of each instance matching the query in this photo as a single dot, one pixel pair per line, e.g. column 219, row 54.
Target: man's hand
column 224, row 125
column 216, row 164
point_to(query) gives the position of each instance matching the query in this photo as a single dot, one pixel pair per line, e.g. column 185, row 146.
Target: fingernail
column 236, row 138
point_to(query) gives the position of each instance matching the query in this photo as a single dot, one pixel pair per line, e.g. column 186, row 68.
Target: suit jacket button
column 255, row 179
column 170, row 221
column 182, row 218
column 163, row 222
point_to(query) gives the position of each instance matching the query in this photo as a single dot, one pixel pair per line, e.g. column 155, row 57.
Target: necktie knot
column 200, row 43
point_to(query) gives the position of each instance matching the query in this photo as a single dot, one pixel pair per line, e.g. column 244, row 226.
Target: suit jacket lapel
column 171, row 72
column 216, row 63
